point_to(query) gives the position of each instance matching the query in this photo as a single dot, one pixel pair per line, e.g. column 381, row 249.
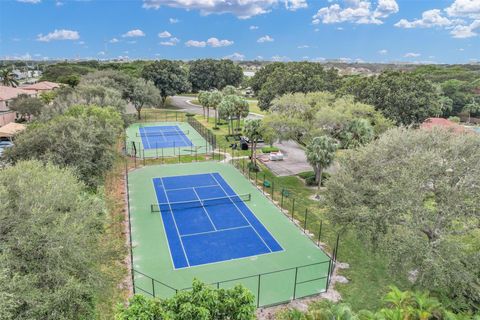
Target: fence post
column 273, row 190
column 328, row 274
column 263, row 184
column 293, row 207
column 153, row 287
column 163, row 159
column 305, row 222
column 336, row 246
column 281, row 201
column 258, row 292
column 173, row 147
column 156, row 148
column 179, row 160
column 295, row 284
column 319, row 233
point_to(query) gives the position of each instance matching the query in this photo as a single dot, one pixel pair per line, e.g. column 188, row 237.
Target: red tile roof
column 444, row 123
column 42, row 85
column 7, row 93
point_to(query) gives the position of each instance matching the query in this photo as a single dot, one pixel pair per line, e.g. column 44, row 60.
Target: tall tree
column 320, row 153
column 208, row 74
column 472, row 107
column 413, row 195
column 8, row 78
column 214, row 99
column 142, row 93
column 27, row 106
column 226, row 111
column 203, row 97
column 50, row 256
column 253, row 131
column 168, row 76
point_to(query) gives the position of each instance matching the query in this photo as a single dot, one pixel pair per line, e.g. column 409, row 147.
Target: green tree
column 230, row 90
column 202, row 302
column 226, row 111
column 293, row 77
column 253, row 131
column 413, row 195
column 203, row 97
column 27, row 106
column 47, row 97
column 320, row 153
column 459, row 93
column 71, row 80
column 83, row 140
column 168, row 76
column 357, row 132
column 50, row 230
column 208, row 74
column 472, row 107
column 8, row 78
column 214, row 99
column 141, row 94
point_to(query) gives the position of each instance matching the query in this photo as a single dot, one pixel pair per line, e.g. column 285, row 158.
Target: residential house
column 7, row 94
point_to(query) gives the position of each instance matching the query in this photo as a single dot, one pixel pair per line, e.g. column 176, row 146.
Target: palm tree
column 426, row 307
column 8, row 78
column 203, row 97
column 398, row 298
column 225, row 111
column 214, row 99
column 472, row 107
column 320, row 154
column 253, row 131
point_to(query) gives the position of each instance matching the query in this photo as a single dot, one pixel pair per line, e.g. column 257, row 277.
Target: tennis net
column 161, row 133
column 180, row 205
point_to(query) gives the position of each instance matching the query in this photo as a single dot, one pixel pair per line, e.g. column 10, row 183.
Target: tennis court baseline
column 205, row 221
column 154, row 137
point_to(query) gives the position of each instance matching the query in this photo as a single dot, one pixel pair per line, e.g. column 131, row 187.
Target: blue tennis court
column 206, row 221
column 154, row 137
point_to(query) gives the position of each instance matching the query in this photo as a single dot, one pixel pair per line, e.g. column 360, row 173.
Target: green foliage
column 82, row 139
column 230, row 90
column 202, row 303
column 413, row 195
column 49, row 244
column 270, row 149
column 233, row 107
column 309, row 177
column 253, row 131
column 8, row 78
column 302, row 116
column 141, row 94
column 208, row 74
column 47, row 97
column 398, row 305
column 460, row 94
column 168, row 76
column 320, row 153
column 454, row 119
column 65, row 72
column 405, row 98
column 292, row 77
column 27, row 106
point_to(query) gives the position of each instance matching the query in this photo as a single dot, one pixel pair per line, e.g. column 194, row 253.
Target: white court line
column 204, row 209
column 219, row 230
column 175, row 222
column 241, row 212
column 188, row 188
column 182, row 135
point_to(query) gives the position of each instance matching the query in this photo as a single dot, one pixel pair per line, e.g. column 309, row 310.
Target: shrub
column 454, row 119
column 309, row 177
column 270, row 149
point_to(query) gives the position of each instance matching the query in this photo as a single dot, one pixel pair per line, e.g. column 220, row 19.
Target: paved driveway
column 294, row 160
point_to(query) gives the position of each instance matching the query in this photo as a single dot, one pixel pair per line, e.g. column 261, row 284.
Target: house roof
column 444, row 123
column 7, row 93
column 42, row 85
column 11, row 129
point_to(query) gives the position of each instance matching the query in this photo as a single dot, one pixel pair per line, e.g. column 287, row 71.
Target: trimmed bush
column 270, row 149
column 309, row 178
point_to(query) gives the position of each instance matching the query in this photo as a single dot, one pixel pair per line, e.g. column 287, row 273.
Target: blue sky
column 441, row 31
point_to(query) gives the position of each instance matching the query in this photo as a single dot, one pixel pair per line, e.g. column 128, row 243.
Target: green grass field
column 151, row 255
column 200, row 146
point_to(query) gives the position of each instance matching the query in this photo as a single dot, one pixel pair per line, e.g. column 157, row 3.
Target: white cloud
column 253, row 27
column 305, row 46
column 464, row 8
column 173, row 20
column 61, row 34
column 265, row 38
column 430, row 18
column 101, row 53
column 114, row 40
column 30, row 1
column 412, row 55
column 467, row 31
column 356, row 11
column 461, row 49
column 235, row 56
column 134, row 33
column 212, row 42
column 195, row 43
column 164, row 34
column 243, row 9
column 383, row 51
column 172, row 42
